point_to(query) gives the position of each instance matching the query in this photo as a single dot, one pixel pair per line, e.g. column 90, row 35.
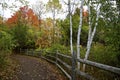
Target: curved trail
column 32, row 68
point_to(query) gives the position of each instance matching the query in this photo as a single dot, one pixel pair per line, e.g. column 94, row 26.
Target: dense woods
column 99, row 35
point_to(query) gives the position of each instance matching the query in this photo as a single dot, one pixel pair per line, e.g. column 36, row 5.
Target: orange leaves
column 30, row 17
column 45, row 38
column 26, row 15
column 13, row 20
column 85, row 16
column 85, row 13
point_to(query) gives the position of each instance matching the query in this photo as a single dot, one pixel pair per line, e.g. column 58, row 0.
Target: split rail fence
column 73, row 71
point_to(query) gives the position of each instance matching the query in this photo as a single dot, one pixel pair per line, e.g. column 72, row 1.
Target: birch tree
column 54, row 7
column 91, row 32
column 70, row 17
column 70, row 10
column 4, row 4
column 39, row 9
column 79, row 31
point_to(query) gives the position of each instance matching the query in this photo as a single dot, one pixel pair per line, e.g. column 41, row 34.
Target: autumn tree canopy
column 26, row 15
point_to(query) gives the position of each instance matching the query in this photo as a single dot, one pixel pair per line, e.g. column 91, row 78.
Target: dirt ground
column 31, row 68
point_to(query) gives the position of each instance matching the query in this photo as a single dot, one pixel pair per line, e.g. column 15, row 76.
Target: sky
column 8, row 12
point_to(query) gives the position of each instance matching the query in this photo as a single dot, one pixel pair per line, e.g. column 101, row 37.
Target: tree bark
column 54, row 26
column 91, row 35
column 79, row 32
column 70, row 16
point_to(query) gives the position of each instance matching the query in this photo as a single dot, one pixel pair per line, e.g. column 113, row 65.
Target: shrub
column 6, row 45
column 58, row 47
column 103, row 54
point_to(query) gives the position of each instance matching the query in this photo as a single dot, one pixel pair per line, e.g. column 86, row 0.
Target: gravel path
column 32, row 68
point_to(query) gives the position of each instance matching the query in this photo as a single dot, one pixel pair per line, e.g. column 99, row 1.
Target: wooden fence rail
column 72, row 68
column 101, row 66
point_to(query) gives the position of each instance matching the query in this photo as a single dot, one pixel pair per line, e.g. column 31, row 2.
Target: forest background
column 27, row 29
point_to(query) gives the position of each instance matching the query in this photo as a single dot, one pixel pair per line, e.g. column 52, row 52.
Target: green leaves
column 54, row 4
column 6, row 42
column 20, row 35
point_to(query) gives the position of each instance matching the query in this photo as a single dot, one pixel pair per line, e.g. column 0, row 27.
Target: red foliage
column 24, row 14
column 85, row 14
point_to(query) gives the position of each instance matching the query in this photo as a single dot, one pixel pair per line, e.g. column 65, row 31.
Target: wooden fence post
column 33, row 52
column 73, row 66
column 20, row 51
column 56, row 57
column 27, row 51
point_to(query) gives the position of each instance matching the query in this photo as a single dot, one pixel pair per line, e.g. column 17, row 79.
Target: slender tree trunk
column 118, row 7
column 70, row 16
column 53, row 26
column 39, row 18
column 79, row 32
column 3, row 7
column 91, row 35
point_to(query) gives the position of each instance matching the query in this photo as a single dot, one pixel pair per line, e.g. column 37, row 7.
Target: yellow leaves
column 45, row 38
column 43, row 41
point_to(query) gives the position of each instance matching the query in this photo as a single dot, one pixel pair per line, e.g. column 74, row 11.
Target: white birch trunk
column 79, row 32
column 3, row 8
column 53, row 12
column 91, row 35
column 71, row 46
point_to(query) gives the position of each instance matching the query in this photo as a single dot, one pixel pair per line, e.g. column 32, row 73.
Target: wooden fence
column 72, row 68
